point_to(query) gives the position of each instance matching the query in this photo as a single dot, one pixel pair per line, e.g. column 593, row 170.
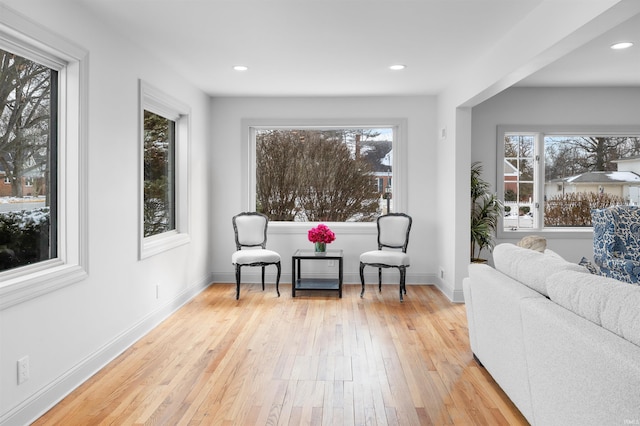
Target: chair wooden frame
column 262, row 244
column 401, row 268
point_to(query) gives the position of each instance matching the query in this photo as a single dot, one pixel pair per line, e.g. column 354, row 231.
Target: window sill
column 553, row 233
column 24, row 287
column 157, row 244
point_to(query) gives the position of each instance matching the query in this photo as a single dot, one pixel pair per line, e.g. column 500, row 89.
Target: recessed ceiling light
column 397, row 67
column 240, row 68
column 622, row 45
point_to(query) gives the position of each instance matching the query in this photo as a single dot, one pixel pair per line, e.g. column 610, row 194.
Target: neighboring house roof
column 602, row 177
column 387, row 160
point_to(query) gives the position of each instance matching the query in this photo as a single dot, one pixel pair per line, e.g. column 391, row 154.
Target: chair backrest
column 250, row 229
column 616, row 231
column 626, row 220
column 603, row 235
column 393, row 231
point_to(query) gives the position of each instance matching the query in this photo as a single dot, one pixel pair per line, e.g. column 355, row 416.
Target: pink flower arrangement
column 321, row 234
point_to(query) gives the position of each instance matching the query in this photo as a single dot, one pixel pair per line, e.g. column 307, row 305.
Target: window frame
column 399, row 166
column 155, row 100
column 540, row 131
column 20, row 35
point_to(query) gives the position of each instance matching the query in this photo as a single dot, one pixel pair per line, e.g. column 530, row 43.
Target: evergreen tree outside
column 159, row 174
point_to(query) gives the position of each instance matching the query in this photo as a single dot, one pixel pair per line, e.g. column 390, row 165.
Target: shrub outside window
column 552, row 179
column 329, row 174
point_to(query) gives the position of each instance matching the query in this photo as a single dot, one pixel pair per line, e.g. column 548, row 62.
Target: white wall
column 72, row 332
column 550, row 106
column 227, row 165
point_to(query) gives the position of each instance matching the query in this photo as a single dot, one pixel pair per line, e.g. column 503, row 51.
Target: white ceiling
column 344, row 47
column 595, row 63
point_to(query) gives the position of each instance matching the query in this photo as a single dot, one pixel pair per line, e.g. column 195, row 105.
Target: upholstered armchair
column 250, row 229
column 616, row 242
column 393, row 239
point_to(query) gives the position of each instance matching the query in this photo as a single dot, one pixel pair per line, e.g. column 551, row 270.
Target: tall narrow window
column 28, row 161
column 43, row 163
column 164, row 144
column 519, row 156
column 159, row 174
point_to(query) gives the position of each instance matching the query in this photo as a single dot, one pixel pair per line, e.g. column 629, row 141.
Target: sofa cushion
column 627, row 231
column 610, row 303
column 531, row 267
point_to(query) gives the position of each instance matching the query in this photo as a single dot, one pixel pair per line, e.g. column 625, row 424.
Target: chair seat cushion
column 247, row 257
column 385, row 257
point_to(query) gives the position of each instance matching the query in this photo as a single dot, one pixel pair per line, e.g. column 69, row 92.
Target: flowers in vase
column 321, row 234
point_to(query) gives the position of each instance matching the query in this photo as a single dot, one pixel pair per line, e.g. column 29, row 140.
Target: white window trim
column 540, row 131
column 158, row 102
column 399, row 167
column 26, row 38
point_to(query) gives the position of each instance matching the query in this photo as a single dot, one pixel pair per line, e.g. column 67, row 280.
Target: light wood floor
column 312, row 359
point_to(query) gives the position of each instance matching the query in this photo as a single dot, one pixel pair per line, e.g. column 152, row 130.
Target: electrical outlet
column 331, row 263
column 441, row 273
column 157, row 291
column 23, row 369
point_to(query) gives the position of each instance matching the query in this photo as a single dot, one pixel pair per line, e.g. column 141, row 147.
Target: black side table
column 313, row 284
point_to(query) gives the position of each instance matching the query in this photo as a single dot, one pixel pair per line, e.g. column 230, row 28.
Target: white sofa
column 562, row 343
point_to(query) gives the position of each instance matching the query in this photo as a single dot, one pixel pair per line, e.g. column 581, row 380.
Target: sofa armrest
column 579, row 373
column 468, row 304
column 496, row 330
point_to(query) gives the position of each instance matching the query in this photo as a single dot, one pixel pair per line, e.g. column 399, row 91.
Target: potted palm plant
column 486, row 209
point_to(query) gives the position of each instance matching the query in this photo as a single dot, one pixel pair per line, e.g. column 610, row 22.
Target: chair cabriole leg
column 403, row 289
column 362, row 278
column 278, row 279
column 238, row 281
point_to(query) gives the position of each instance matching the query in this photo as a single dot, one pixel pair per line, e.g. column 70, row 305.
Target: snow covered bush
column 24, row 237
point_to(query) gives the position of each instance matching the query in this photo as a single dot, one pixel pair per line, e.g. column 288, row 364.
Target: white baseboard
column 254, row 277
column 48, row 396
column 454, row 295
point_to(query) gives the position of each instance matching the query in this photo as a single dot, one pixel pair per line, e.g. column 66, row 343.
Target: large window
column 43, row 164
column 328, row 173
column 552, row 179
column 28, row 159
column 164, row 187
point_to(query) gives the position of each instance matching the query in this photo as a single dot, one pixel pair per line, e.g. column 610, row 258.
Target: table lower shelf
column 318, row 284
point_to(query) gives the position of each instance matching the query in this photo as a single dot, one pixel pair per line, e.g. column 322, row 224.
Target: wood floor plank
column 314, row 359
